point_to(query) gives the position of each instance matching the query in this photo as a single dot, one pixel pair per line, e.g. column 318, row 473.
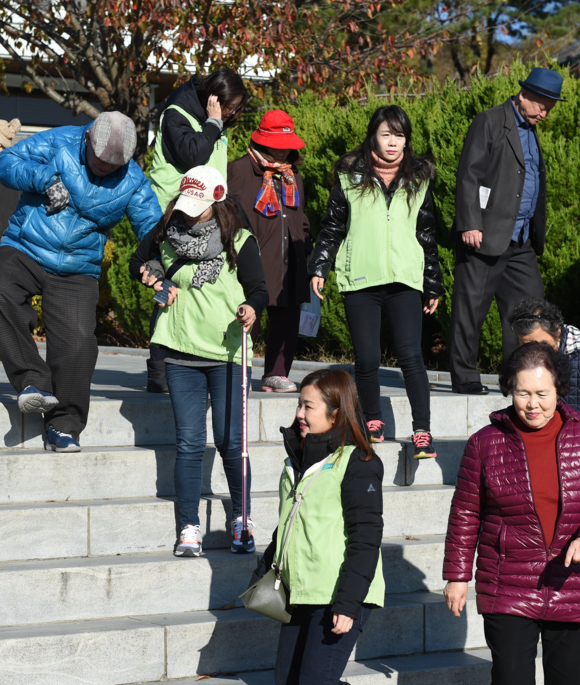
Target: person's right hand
column 214, row 109
column 172, row 293
column 455, row 595
column 472, row 238
column 317, row 285
column 148, row 279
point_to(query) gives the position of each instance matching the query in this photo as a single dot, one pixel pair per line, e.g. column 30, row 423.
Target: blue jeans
column 189, row 388
column 309, row 653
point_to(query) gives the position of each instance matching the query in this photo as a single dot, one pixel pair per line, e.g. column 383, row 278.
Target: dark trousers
column 309, row 653
column 156, row 354
column 282, row 339
column 189, row 387
column 69, row 311
column 404, row 312
column 478, row 279
column 513, row 641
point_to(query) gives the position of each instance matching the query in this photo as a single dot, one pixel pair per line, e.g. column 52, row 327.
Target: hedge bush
column 440, row 118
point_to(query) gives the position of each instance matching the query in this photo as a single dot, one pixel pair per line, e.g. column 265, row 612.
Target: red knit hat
column 277, row 130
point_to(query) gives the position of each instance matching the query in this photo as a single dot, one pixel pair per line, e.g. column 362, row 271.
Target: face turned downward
column 533, row 107
column 535, row 396
column 110, row 143
column 535, row 375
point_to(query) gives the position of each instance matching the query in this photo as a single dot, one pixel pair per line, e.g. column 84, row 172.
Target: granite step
column 54, row 530
column 115, row 586
column 148, row 419
column 98, row 472
column 181, row 645
column 465, row 667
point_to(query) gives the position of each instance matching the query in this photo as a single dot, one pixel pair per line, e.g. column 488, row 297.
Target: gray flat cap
column 114, row 138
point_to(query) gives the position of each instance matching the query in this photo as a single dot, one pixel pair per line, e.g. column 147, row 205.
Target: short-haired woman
column 267, row 184
column 380, row 227
column 534, row 319
column 332, row 565
column 216, row 266
column 517, row 500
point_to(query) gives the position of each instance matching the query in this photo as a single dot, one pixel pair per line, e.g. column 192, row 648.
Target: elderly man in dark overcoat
column 500, row 220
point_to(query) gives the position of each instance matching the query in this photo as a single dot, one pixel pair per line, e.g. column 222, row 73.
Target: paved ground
column 120, row 376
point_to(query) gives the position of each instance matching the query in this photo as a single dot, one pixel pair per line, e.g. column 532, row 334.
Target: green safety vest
column 166, row 178
column 318, row 540
column 381, row 245
column 202, row 321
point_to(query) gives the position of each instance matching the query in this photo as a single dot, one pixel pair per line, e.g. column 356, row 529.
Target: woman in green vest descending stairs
column 332, row 563
column 380, row 228
column 192, row 132
column 216, row 267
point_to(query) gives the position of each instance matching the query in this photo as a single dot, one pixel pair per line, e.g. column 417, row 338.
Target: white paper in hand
column 483, row 196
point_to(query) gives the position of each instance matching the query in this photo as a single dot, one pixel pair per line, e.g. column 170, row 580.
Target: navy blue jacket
column 71, row 241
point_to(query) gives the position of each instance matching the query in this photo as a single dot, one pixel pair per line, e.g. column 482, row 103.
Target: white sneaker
column 189, row 542
column 239, row 547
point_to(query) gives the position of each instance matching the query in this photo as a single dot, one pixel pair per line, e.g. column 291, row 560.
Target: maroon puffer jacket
column 493, row 501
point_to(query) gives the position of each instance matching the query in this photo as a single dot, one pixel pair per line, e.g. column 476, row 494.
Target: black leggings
column 404, row 310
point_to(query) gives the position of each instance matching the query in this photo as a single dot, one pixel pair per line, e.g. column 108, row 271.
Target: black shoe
column 471, row 388
column 156, row 377
column 423, row 445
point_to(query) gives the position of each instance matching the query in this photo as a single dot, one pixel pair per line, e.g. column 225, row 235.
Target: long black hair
column 228, row 218
column 227, row 85
column 413, row 170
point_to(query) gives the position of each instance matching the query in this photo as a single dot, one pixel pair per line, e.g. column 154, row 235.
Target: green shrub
column 441, row 117
column 132, row 302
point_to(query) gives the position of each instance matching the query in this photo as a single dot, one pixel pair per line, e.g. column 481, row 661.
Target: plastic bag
column 310, row 317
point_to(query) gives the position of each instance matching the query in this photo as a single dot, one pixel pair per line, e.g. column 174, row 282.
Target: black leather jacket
column 333, row 232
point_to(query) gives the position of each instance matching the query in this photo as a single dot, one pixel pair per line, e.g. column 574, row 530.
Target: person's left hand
column 158, row 285
column 246, row 316
column 430, row 305
column 342, row 624
column 573, row 554
column 58, row 197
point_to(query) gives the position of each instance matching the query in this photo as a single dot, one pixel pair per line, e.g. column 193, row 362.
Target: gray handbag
column 269, row 596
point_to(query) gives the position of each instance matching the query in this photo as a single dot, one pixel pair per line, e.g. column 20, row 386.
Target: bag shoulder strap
column 294, row 511
column 174, row 268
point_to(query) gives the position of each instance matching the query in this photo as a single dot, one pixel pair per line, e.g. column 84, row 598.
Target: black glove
column 58, row 197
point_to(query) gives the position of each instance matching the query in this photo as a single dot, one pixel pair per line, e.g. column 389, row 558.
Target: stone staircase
column 90, row 591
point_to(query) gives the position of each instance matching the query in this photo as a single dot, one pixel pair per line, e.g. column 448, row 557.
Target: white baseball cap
column 200, row 188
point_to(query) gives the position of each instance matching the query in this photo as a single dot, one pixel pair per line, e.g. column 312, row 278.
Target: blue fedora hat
column 544, row 82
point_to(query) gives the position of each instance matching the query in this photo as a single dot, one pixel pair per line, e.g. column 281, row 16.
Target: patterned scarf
column 198, row 243
column 267, row 200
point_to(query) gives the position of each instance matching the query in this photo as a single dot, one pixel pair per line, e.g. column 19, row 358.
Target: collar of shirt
column 520, row 121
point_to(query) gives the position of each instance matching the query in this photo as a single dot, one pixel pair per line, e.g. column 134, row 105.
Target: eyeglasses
column 228, row 112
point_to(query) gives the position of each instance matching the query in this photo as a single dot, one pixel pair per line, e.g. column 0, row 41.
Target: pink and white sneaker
column 277, row 384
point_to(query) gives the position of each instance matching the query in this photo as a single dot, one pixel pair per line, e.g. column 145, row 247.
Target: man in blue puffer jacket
column 77, row 183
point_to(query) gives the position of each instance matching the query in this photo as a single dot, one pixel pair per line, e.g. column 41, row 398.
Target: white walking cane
column 245, row 456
